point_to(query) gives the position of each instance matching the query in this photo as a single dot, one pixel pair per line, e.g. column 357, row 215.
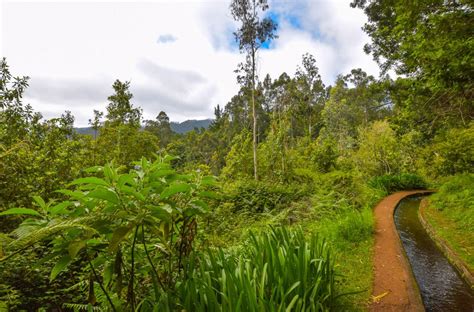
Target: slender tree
column 120, row 111
column 311, row 92
column 254, row 31
column 96, row 122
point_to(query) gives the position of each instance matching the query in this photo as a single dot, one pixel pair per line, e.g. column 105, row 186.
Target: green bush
column 262, row 197
column 451, row 153
column 399, row 182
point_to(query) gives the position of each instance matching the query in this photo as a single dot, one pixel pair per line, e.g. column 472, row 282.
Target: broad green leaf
column 169, row 158
column 119, row 234
column 59, row 208
column 209, row 194
column 161, row 212
column 158, row 186
column 74, row 247
column 173, row 189
column 109, row 173
column 20, row 211
column 98, row 261
column 126, row 179
column 40, row 201
column 131, row 191
column 93, row 169
column 200, row 203
column 108, row 272
column 162, row 173
column 208, row 180
column 89, row 180
column 105, row 194
column 73, row 194
column 59, row 266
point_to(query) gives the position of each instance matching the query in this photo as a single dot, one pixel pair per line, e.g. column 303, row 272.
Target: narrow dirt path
column 394, row 287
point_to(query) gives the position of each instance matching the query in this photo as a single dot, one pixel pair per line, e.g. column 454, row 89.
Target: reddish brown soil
column 394, row 287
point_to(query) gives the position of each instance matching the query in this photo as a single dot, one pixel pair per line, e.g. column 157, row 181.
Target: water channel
column 442, row 288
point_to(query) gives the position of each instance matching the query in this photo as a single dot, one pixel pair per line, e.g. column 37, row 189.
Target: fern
column 82, row 307
column 34, row 237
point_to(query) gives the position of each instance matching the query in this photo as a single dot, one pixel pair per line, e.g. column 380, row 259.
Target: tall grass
column 280, row 270
column 356, row 226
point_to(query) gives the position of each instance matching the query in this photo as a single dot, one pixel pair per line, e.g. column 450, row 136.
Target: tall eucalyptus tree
column 254, row 31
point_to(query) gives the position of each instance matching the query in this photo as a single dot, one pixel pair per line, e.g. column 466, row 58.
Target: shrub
column 451, row 153
column 262, row 197
column 379, row 150
column 399, row 182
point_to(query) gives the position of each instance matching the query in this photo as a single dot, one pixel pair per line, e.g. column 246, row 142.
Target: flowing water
column 442, row 288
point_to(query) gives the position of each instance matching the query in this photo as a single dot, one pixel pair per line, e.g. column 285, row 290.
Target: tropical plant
column 131, row 229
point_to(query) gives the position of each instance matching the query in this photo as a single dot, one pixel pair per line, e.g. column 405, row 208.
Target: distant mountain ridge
column 178, row 127
column 189, row 125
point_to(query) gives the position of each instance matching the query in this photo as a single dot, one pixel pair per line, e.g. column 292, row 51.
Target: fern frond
column 52, row 229
column 81, row 307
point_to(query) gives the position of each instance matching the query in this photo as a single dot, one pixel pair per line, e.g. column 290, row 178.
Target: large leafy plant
column 130, row 230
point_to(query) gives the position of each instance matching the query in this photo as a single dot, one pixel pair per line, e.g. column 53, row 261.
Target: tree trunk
column 254, row 115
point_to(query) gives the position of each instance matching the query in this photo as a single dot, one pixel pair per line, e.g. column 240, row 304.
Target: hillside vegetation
column 269, row 208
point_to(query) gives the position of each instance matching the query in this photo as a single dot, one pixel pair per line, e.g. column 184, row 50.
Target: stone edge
column 452, row 257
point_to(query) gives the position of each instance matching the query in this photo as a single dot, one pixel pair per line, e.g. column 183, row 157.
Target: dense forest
column 270, row 207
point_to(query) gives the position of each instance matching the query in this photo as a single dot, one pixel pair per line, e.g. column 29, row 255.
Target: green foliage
column 120, row 111
column 106, row 227
column 25, row 283
column 254, row 31
column 324, row 154
column 399, row 182
column 451, row 213
column 451, row 153
column 456, row 194
column 418, row 40
column 421, row 38
column 263, row 197
column 281, row 270
column 161, row 128
column 356, row 226
column 378, row 152
column 123, row 144
column 125, row 236
column 239, row 159
column 349, row 109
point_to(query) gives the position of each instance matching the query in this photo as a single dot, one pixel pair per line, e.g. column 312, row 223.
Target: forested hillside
column 268, row 209
column 178, row 127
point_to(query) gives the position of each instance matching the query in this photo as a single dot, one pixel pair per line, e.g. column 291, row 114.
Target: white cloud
column 178, row 55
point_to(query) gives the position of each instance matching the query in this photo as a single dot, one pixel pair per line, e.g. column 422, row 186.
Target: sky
column 179, row 56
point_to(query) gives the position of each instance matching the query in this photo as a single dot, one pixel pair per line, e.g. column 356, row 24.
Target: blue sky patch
column 166, row 38
column 292, row 19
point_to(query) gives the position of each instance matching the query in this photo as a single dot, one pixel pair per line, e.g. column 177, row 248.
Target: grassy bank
column 451, row 213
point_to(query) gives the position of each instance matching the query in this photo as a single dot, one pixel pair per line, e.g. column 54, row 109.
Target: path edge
column 415, row 302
